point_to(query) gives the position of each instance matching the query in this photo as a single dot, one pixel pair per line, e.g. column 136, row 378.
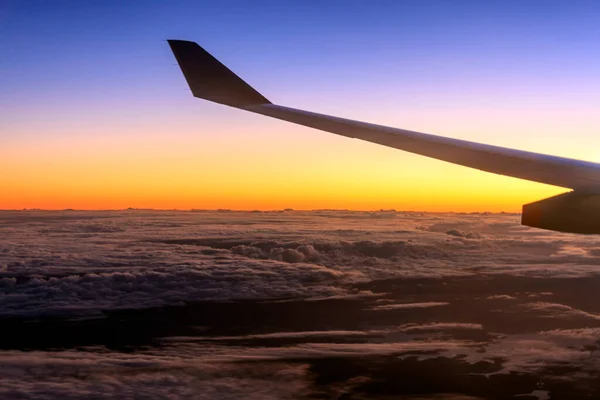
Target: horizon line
column 382, row 210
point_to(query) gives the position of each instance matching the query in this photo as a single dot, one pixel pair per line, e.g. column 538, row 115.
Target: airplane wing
column 210, row 80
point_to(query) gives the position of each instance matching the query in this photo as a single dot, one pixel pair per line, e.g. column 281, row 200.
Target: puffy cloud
column 107, row 375
column 459, row 233
column 160, row 285
column 102, row 260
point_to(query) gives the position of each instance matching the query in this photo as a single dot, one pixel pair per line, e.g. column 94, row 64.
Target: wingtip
column 209, row 79
column 179, row 41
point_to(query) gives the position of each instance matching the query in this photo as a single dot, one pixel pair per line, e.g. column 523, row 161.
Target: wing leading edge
column 211, row 80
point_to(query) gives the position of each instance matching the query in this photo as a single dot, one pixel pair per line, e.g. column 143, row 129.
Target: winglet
column 210, row 80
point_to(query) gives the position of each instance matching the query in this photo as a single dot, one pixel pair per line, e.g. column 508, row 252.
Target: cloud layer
column 92, row 261
column 322, row 304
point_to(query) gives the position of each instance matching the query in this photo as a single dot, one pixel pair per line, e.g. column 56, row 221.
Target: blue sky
column 65, row 56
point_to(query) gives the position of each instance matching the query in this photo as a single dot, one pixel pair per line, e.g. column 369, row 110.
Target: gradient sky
column 94, row 112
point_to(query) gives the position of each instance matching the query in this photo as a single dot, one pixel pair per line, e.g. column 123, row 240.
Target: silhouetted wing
column 209, row 79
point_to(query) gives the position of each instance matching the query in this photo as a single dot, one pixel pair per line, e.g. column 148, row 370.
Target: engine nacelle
column 568, row 212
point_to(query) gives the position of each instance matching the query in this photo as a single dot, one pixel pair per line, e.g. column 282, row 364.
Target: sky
column 95, row 113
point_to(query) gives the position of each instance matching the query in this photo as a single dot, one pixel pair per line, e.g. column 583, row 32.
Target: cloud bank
column 293, row 304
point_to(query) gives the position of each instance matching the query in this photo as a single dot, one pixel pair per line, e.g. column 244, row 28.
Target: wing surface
column 210, row 80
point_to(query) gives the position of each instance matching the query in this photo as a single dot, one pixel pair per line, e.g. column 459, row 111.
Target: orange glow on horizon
column 113, row 177
column 114, row 125
column 262, row 170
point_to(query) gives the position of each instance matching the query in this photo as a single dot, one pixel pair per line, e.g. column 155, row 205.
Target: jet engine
column 571, row 212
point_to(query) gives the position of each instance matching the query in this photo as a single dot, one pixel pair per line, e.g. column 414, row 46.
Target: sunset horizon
column 103, row 118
